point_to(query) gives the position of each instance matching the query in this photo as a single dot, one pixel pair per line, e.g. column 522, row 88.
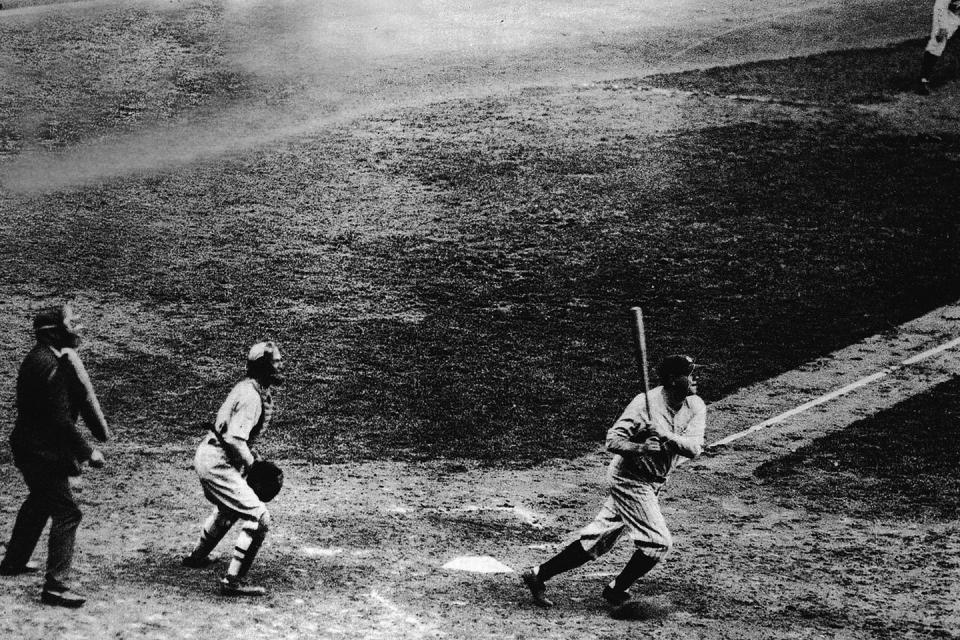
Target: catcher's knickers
column 633, row 508
column 950, row 22
column 224, row 486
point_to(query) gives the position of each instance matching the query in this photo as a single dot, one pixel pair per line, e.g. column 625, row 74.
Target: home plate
column 478, row 564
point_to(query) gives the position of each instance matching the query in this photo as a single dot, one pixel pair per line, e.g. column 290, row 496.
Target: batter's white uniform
column 946, row 19
column 636, row 476
column 242, row 417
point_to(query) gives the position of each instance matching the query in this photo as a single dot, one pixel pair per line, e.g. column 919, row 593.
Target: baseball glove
column 266, row 479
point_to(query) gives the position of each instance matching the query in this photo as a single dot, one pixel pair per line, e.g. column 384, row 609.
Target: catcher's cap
column 677, row 365
column 263, row 349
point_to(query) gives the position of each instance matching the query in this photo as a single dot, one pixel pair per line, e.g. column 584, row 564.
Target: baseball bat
column 640, row 349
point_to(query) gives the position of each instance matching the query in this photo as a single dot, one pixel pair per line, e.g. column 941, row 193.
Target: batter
column 646, row 449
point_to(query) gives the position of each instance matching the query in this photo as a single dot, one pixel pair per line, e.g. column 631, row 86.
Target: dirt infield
column 811, row 529
column 443, row 223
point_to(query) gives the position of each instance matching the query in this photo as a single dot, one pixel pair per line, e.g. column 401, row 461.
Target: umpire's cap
column 49, row 318
column 677, row 365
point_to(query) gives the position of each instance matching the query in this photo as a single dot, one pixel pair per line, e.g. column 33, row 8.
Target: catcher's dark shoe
column 616, row 597
column 236, row 588
column 537, row 589
column 923, row 87
column 60, row 595
column 193, row 562
column 30, row 567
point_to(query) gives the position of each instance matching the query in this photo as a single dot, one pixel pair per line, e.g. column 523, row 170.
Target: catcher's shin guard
column 214, row 528
column 248, row 544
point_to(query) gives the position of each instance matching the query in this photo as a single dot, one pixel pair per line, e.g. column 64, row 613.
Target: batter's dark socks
column 638, row 566
column 571, row 557
column 927, row 64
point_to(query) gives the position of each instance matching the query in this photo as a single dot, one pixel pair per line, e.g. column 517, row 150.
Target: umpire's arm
column 57, row 407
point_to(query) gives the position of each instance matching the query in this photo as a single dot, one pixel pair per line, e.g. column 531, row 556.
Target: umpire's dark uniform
column 52, row 391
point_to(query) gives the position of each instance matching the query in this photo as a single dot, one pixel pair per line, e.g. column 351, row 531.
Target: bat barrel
column 640, row 348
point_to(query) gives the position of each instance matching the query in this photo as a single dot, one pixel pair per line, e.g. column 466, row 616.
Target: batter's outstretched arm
column 688, row 443
column 686, row 446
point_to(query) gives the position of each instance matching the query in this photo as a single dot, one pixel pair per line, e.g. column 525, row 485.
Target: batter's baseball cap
column 676, row 365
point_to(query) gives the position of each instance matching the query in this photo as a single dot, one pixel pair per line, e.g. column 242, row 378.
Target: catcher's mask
column 265, row 363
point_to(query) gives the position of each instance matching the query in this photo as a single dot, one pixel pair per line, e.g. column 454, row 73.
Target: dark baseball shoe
column 236, row 588
column 923, row 87
column 615, row 597
column 59, row 595
column 193, row 562
column 30, row 567
column 537, row 589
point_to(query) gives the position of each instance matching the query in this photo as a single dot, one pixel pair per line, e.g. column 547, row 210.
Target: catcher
column 237, row 481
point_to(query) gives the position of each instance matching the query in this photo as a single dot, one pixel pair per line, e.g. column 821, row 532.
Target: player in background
column 646, row 448
column 946, row 19
column 222, row 461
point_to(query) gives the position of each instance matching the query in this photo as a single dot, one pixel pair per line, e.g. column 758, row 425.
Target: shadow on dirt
column 902, row 463
column 855, row 76
column 279, row 571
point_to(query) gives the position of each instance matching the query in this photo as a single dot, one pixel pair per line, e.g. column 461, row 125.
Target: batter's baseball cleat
column 537, row 589
column 923, row 87
column 616, row 597
column 59, row 595
column 236, row 588
column 30, row 567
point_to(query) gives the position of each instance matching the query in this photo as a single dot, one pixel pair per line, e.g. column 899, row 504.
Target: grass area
column 454, row 280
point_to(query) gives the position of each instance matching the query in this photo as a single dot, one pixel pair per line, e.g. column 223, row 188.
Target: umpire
column 53, row 390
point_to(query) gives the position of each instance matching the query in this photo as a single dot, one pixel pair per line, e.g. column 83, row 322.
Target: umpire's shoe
column 235, row 588
column 537, row 589
column 616, row 597
column 59, row 595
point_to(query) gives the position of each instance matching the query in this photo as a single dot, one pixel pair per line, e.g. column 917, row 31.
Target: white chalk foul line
column 862, row 382
column 398, row 614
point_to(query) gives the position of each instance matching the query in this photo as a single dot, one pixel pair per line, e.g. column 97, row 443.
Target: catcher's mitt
column 266, row 479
